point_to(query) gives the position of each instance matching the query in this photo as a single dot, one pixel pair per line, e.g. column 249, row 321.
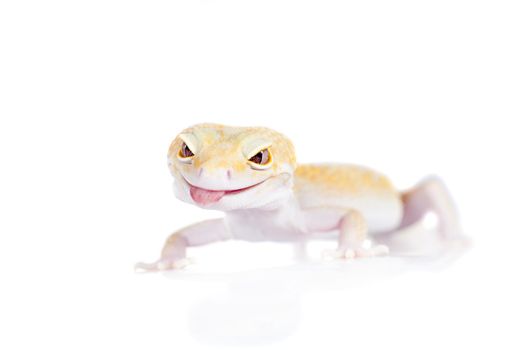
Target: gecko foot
column 163, row 265
column 352, row 253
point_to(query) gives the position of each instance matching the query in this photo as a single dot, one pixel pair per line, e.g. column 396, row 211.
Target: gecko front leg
column 173, row 255
column 353, row 231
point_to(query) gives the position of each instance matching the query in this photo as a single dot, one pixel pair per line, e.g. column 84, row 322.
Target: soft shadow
column 262, row 306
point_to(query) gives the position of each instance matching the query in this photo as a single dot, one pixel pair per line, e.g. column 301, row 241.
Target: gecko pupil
column 260, row 158
column 186, row 151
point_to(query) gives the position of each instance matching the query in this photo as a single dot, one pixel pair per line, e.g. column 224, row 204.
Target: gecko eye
column 185, row 151
column 261, row 160
column 261, row 157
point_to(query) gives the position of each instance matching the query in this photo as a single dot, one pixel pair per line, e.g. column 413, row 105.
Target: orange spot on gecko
column 337, row 177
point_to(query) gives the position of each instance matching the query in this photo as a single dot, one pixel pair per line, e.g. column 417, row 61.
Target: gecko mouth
column 204, row 196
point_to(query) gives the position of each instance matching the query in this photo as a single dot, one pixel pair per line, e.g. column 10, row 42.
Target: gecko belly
column 323, row 213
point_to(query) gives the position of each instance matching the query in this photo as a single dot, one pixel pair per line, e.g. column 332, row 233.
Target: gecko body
column 251, row 174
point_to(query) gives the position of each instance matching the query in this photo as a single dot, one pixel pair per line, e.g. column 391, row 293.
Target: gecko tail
column 431, row 200
column 430, row 221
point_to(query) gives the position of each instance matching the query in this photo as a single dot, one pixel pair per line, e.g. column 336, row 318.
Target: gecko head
column 229, row 168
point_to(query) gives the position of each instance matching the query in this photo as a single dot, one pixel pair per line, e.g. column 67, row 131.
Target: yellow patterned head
column 227, row 168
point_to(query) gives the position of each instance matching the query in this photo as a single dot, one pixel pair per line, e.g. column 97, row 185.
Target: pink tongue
column 204, row 197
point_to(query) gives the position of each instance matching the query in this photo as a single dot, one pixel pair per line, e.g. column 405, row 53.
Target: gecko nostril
column 201, row 170
column 229, row 174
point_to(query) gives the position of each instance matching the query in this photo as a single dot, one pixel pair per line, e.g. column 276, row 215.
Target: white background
column 92, row 93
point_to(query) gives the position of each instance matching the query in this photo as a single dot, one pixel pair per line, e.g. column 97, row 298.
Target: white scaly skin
column 277, row 200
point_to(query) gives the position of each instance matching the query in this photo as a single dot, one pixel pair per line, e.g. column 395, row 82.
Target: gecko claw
column 352, row 253
column 163, row 265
